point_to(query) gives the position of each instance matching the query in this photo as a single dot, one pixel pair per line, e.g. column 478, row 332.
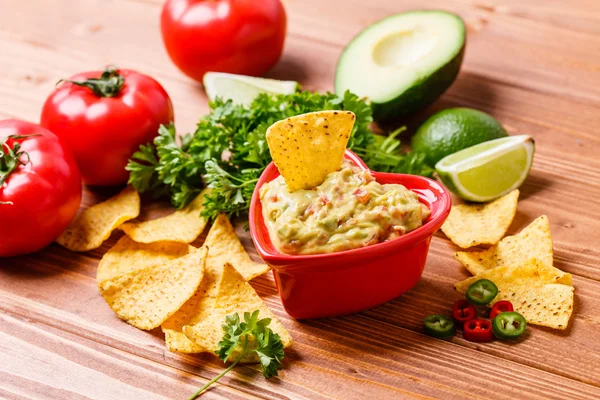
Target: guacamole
column 347, row 211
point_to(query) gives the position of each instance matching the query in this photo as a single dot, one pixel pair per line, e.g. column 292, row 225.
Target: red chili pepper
column 500, row 307
column 463, row 311
column 478, row 330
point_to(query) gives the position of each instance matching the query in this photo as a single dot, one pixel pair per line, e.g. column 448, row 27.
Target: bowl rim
column 433, row 223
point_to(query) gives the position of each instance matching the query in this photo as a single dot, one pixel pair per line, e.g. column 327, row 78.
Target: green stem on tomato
column 109, row 84
column 216, row 378
column 10, row 159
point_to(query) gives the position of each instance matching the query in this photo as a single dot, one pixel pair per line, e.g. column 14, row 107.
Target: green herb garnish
column 229, row 150
column 242, row 339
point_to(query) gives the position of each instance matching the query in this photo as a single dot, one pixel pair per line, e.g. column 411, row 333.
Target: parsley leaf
column 228, row 151
column 243, row 338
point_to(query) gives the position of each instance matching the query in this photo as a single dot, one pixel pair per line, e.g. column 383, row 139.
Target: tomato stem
column 109, row 84
column 10, row 158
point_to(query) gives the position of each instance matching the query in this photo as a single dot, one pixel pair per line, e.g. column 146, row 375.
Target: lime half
column 243, row 89
column 488, row 170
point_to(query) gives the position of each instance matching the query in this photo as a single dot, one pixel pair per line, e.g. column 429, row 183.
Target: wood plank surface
column 534, row 65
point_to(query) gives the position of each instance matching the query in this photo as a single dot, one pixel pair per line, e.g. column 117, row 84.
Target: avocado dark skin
column 422, row 94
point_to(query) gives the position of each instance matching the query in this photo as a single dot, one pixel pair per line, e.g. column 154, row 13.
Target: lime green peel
column 488, row 170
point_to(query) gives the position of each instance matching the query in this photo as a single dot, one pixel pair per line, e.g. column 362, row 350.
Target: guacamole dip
column 348, row 210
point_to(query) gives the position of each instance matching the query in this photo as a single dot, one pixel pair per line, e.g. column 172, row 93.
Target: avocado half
column 404, row 62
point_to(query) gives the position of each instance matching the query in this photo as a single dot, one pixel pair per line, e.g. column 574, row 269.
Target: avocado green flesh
column 404, row 62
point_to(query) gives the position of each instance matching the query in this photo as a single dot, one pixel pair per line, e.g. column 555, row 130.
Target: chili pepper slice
column 439, row 326
column 482, row 292
column 478, row 330
column 509, row 325
column 500, row 307
column 463, row 311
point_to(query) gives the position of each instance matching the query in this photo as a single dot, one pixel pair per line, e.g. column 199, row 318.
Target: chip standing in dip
column 339, row 237
column 347, row 211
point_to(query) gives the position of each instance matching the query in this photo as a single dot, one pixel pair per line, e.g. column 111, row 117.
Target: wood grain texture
column 534, row 65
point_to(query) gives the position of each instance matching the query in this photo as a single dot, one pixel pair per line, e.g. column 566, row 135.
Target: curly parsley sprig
column 246, row 338
column 228, row 151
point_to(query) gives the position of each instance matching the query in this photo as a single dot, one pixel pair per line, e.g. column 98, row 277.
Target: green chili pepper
column 439, row 326
column 509, row 325
column 482, row 292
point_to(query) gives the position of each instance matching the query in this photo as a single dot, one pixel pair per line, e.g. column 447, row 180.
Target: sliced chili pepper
column 478, row 330
column 482, row 292
column 500, row 307
column 509, row 325
column 439, row 326
column 463, row 311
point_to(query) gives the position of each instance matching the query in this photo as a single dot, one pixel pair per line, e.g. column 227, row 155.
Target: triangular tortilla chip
column 145, row 298
column 235, row 295
column 94, row 225
column 127, row 255
column 224, row 246
column 470, row 225
column 534, row 241
column 182, row 226
column 307, row 147
column 534, row 290
column 198, row 308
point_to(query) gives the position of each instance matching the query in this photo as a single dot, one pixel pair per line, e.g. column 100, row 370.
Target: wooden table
column 535, row 65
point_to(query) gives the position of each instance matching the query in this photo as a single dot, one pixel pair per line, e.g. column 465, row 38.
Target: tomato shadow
column 96, row 194
column 53, row 260
column 289, row 67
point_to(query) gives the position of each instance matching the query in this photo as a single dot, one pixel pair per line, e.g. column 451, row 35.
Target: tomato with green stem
column 104, row 117
column 40, row 187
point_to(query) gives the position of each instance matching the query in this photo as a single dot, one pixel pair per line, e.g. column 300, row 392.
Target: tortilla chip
column 93, row 226
column 127, row 255
column 146, row 297
column 183, row 226
column 534, row 241
column 534, row 290
column 235, row 295
column 198, row 308
column 224, row 246
column 470, row 225
column 307, row 147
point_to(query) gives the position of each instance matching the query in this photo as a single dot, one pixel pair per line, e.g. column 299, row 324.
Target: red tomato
column 40, row 187
column 104, row 117
column 236, row 36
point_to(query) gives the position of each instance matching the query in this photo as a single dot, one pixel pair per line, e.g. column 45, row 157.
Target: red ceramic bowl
column 333, row 284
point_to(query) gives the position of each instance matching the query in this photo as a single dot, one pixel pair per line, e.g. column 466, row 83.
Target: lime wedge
column 243, row 89
column 488, row 170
